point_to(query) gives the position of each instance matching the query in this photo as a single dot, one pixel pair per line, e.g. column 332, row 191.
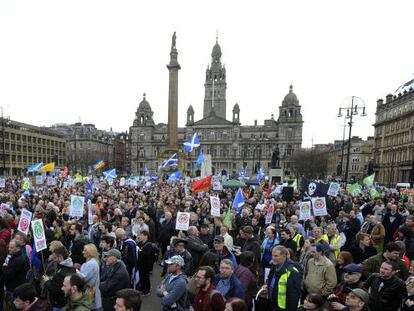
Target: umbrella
column 233, row 183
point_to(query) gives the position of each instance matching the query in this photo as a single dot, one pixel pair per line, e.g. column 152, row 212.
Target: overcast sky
column 61, row 61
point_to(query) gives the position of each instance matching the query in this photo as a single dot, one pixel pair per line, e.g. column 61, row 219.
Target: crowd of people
column 358, row 257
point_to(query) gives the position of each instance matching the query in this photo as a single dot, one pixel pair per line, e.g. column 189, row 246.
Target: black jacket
column 146, row 256
column 54, row 285
column 254, row 246
column 386, row 295
column 117, row 278
column 15, row 272
column 76, row 252
column 166, row 231
column 197, row 249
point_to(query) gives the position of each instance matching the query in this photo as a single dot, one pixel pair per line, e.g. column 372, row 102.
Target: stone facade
column 230, row 144
column 22, row 145
column 86, row 145
column 394, row 136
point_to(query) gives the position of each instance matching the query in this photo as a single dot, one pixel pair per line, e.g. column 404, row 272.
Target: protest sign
column 39, row 235
column 215, row 206
column 76, row 206
column 24, row 223
column 183, row 221
column 304, row 210
column 333, row 189
column 319, row 207
column 269, row 214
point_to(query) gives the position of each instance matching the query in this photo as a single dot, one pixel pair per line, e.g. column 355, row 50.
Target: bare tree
column 310, row 163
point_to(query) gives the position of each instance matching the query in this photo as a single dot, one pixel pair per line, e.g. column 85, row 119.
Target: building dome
column 144, row 105
column 290, row 98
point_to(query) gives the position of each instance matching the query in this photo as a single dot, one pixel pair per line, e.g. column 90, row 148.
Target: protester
column 208, row 297
column 25, row 299
column 90, row 273
column 73, row 288
column 128, row 300
column 227, row 283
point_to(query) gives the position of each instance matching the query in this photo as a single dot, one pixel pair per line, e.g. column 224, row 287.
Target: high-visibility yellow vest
column 297, row 239
column 335, row 241
column 281, row 288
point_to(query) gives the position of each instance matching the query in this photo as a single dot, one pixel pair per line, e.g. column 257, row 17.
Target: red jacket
column 209, row 300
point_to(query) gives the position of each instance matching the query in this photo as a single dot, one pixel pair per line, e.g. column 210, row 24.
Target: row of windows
column 396, row 126
column 30, row 139
column 396, row 139
column 27, row 160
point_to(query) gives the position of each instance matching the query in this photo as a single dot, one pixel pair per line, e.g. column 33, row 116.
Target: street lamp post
column 351, row 111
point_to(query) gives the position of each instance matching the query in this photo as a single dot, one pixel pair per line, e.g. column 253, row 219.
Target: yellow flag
column 48, row 167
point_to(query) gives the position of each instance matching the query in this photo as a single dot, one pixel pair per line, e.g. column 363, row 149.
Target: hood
column 67, row 263
column 83, row 301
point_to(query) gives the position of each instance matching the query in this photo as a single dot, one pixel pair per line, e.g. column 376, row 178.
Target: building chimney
column 388, row 98
column 380, row 102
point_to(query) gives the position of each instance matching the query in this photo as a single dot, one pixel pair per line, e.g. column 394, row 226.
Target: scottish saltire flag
column 172, row 162
column 89, row 185
column 192, row 143
column 200, row 159
column 242, row 172
column 98, row 165
column 260, row 175
column 35, row 168
column 174, row 176
column 146, row 171
column 110, row 174
column 238, row 201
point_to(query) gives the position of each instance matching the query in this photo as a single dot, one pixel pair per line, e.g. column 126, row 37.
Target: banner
column 215, row 206
column 319, row 207
column 51, row 181
column 304, row 210
column 24, row 223
column 314, row 188
column 183, row 221
column 76, row 206
column 269, row 214
column 333, row 189
column 90, row 221
column 2, row 182
column 39, row 179
column 39, row 235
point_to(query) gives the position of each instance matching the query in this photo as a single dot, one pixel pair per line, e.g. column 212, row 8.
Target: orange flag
column 203, row 184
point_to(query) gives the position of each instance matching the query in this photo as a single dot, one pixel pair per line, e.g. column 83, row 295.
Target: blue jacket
column 275, row 243
column 236, row 287
column 177, row 292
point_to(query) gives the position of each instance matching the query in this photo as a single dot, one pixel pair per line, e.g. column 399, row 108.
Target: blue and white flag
column 192, row 143
column 238, row 201
column 111, row 174
column 172, row 162
column 35, row 168
column 174, row 176
column 89, row 185
column 260, row 174
column 200, row 159
column 242, row 173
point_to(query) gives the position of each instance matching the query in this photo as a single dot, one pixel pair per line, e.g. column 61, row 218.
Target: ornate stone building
column 394, row 136
column 231, row 144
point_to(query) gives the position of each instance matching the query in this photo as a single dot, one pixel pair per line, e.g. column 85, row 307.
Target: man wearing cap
column 352, row 280
column 179, row 249
column 173, row 288
column 320, row 274
column 222, row 252
column 116, row 279
column 357, row 300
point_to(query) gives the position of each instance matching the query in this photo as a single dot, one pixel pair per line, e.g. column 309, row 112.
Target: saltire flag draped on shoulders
column 238, row 201
column 49, row 167
column 35, row 168
column 172, row 162
column 200, row 159
column 314, row 188
column 98, row 165
column 192, row 143
column 110, row 174
column 369, row 180
column 201, row 185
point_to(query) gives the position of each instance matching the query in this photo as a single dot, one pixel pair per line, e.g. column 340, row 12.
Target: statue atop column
column 275, row 158
column 174, row 37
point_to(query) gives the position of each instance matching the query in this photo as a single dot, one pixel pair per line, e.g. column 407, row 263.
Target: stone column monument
column 173, row 68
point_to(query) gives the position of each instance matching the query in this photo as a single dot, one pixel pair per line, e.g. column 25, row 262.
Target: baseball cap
column 178, row 260
column 219, row 238
column 353, row 268
column 361, row 294
column 113, row 252
column 176, row 241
